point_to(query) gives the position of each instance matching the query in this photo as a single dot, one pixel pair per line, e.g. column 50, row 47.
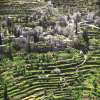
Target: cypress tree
column 5, row 92
column 0, row 47
column 10, row 54
column 86, row 38
column 0, row 39
column 10, row 50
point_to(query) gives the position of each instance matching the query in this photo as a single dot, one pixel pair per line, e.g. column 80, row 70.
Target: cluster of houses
column 51, row 30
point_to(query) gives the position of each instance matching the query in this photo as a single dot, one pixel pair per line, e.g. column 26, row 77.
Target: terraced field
column 62, row 75
column 54, row 75
column 18, row 7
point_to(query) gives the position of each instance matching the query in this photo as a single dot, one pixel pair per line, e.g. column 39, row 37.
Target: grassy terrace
column 18, row 7
column 31, row 76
